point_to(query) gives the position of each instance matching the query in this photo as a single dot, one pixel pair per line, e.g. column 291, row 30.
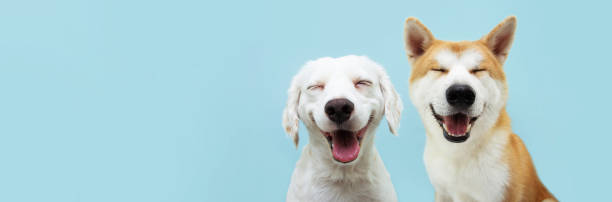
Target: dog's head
column 458, row 87
column 341, row 101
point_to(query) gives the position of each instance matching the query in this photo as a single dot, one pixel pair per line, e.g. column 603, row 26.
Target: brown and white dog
column 460, row 91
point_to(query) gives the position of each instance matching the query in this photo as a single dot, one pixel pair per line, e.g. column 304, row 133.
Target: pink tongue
column 456, row 124
column 346, row 146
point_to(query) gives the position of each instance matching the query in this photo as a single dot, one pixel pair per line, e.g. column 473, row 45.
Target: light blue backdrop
column 182, row 100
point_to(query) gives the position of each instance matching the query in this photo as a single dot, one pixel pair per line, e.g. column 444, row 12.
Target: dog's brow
column 471, row 58
column 446, row 58
column 315, row 82
column 468, row 58
column 361, row 78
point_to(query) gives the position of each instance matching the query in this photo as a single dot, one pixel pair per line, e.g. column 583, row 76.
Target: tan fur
column 524, row 184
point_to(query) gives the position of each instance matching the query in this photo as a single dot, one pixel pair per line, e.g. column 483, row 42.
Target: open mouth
column 345, row 144
column 456, row 127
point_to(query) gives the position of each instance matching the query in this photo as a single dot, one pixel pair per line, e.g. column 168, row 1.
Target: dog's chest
column 479, row 177
column 314, row 180
column 339, row 191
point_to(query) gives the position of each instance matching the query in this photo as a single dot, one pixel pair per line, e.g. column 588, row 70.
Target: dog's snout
column 339, row 110
column 460, row 96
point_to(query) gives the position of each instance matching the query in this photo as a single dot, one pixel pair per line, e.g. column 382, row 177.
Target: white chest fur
column 314, row 180
column 476, row 173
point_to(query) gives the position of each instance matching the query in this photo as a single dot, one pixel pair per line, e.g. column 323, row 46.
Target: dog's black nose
column 339, row 110
column 460, row 96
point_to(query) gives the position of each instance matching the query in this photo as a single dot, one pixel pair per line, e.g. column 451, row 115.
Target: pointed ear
column 499, row 40
column 418, row 38
column 393, row 103
column 290, row 114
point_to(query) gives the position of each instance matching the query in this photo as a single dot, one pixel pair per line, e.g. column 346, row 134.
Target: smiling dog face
column 458, row 87
column 341, row 101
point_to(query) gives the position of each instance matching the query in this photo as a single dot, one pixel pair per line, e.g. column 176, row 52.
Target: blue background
column 182, row 100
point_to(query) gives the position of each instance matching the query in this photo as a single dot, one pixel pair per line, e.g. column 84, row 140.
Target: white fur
column 465, row 171
column 470, row 175
column 459, row 67
column 317, row 176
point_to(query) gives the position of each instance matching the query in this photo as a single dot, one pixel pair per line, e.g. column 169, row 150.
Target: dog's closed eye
column 316, row 87
column 439, row 69
column 477, row 69
column 361, row 83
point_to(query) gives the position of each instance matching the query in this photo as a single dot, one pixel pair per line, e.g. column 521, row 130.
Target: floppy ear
column 499, row 40
column 393, row 103
column 290, row 115
column 418, row 38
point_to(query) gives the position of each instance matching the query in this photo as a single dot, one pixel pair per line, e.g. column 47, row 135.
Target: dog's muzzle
column 344, row 144
column 456, row 126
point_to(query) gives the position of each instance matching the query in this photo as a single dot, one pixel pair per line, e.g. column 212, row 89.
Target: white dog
column 341, row 101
